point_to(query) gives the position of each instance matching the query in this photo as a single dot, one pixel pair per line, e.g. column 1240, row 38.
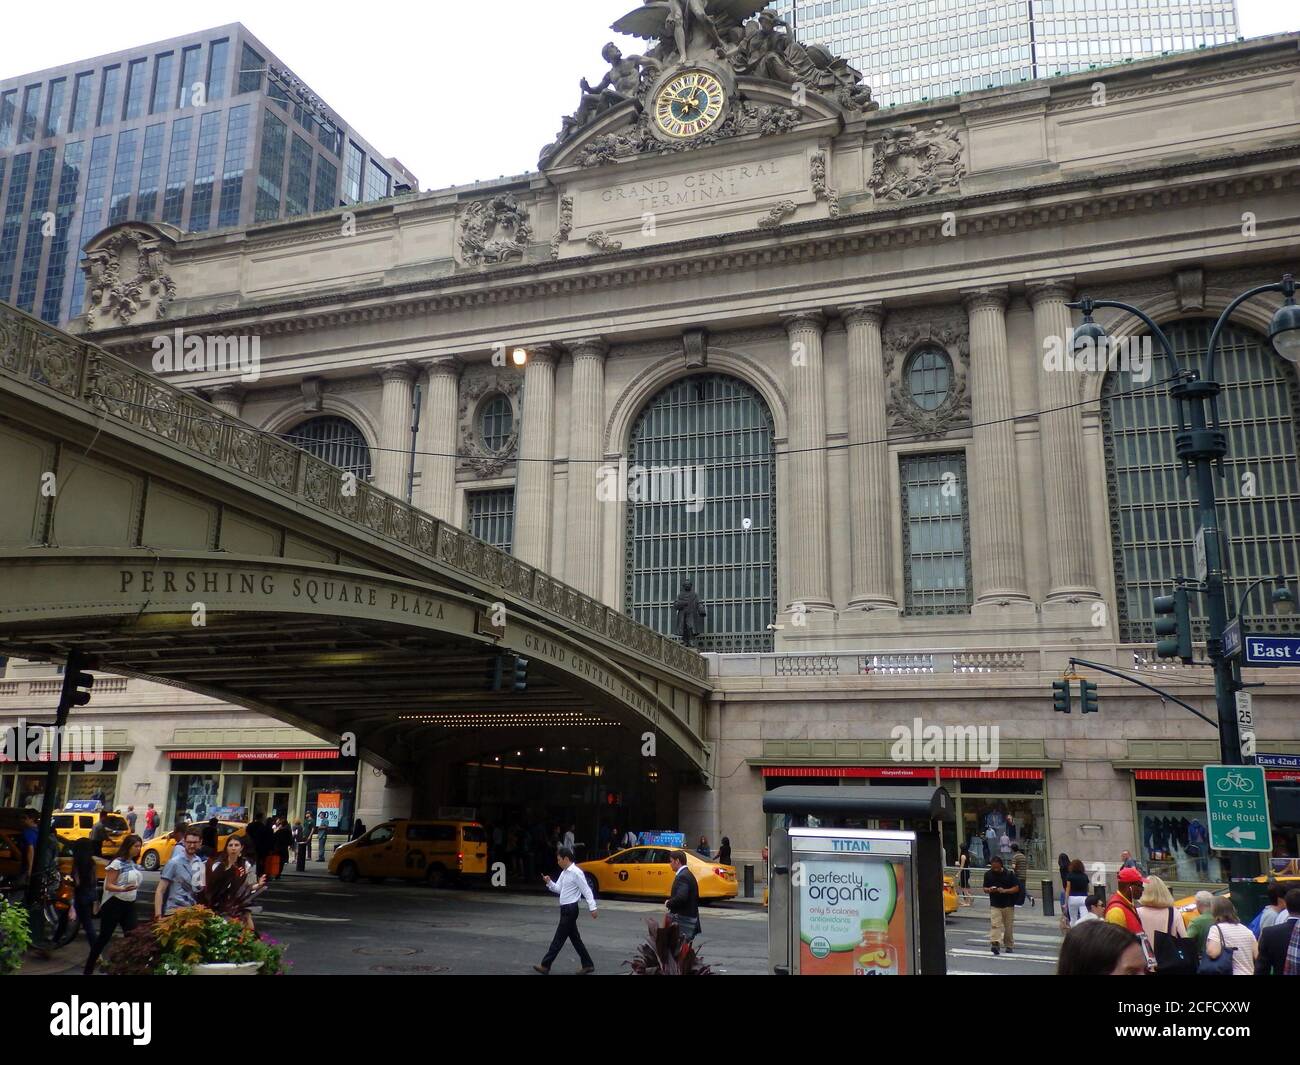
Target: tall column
column 1060, row 435
column 809, row 522
column 871, row 506
column 582, row 554
column 996, row 547
column 392, row 463
column 438, row 422
column 228, row 398
column 536, row 459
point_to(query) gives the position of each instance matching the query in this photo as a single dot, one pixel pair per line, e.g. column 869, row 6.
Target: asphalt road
column 394, row 928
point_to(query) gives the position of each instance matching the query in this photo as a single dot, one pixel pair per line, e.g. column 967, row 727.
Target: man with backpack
column 150, row 822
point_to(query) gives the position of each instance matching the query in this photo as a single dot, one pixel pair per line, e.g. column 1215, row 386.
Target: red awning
column 67, row 756
column 252, row 756
column 1167, row 774
column 1197, row 775
column 975, row 773
column 899, row 772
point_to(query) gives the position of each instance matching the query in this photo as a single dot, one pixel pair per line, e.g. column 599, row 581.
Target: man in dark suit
column 1273, row 940
column 684, row 902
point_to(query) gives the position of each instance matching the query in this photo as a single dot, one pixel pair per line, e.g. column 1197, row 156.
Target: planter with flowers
column 196, row 941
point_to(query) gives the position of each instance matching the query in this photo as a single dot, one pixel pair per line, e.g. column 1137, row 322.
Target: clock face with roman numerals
column 690, row 104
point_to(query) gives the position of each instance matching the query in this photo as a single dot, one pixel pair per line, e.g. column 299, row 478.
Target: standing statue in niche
column 690, row 614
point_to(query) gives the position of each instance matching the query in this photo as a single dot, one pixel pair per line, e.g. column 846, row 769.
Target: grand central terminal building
column 744, row 328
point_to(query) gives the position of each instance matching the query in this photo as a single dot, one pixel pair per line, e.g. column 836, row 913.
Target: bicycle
column 1235, row 782
column 50, row 912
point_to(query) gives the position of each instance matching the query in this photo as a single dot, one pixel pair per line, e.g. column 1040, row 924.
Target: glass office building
column 201, row 132
column 911, row 50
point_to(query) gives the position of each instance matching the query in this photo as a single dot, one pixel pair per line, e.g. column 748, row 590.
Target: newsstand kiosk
column 855, row 901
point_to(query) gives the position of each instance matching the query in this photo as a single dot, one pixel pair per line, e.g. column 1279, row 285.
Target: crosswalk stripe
column 957, row 951
column 303, row 917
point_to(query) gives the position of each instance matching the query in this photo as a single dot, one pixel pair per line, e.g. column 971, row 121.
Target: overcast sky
column 457, row 91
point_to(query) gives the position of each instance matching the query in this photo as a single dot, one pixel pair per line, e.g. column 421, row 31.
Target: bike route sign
column 1236, row 801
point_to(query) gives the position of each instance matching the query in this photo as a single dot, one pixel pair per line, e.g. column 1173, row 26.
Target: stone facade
column 970, row 224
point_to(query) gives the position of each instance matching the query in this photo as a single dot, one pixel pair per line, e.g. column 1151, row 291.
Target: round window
column 497, row 423
column 929, row 377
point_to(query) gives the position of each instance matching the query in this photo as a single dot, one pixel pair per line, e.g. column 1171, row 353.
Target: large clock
column 689, row 104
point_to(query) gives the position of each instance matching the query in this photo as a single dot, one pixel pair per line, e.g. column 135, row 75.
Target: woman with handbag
column 1228, row 937
column 1162, row 924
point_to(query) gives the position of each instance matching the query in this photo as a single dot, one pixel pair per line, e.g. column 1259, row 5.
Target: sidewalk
column 66, row 961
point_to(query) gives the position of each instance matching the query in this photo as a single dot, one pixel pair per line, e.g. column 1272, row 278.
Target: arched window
column 1152, row 511
column 334, row 440
column 700, row 463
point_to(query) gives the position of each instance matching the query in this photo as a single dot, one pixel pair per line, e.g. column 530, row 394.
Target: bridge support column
column 582, row 553
column 436, row 493
column 392, row 463
column 533, row 482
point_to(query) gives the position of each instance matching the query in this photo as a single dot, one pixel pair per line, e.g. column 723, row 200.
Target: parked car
column 438, row 852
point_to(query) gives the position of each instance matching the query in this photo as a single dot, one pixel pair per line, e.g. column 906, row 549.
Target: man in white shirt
column 571, row 886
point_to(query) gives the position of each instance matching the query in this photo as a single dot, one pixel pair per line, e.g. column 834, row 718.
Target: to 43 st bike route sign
column 1236, row 801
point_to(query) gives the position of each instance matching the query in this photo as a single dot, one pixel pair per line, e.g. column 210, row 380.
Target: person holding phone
column 571, row 886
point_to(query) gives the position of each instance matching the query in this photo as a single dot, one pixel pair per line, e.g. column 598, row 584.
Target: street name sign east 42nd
column 1236, row 801
column 1272, row 651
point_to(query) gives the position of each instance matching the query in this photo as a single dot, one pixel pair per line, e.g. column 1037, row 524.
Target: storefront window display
column 330, row 800
column 1173, row 838
column 272, row 787
column 991, row 823
column 24, row 785
column 87, row 785
column 195, row 794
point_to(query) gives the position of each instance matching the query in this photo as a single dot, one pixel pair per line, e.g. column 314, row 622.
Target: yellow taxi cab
column 11, row 851
column 158, row 851
column 645, row 871
column 950, row 901
column 1187, row 904
column 77, row 820
column 437, row 852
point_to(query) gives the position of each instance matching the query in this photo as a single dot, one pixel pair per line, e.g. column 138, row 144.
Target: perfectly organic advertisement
column 853, row 917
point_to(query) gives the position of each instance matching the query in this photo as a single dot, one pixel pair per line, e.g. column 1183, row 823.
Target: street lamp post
column 1201, row 444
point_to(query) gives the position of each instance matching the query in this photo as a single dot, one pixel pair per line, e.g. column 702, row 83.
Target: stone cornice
column 914, row 223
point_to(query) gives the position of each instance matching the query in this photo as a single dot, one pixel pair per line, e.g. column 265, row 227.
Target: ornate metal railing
column 34, row 352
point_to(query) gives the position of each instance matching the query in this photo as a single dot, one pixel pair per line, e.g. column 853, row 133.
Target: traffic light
column 496, row 668
column 1174, row 625
column 521, row 674
column 74, row 681
column 1061, row 696
column 1087, row 697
